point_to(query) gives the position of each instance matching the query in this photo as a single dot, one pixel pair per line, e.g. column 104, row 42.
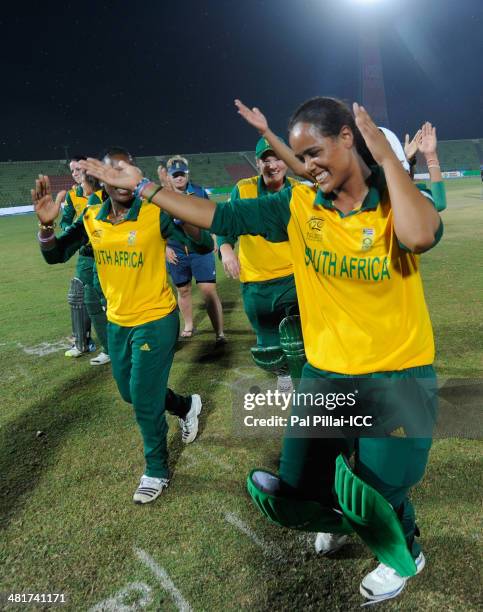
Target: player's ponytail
column 329, row 115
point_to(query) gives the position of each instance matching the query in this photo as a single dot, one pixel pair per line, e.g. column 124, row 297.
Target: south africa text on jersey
column 126, row 259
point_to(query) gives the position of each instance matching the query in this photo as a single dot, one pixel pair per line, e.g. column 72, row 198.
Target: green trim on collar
column 79, row 191
column 132, row 214
column 377, row 185
column 262, row 188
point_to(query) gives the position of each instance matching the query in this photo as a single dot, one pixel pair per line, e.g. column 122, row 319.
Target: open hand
column 124, row 175
column 171, row 256
column 411, row 147
column 375, row 140
column 45, row 207
column 428, row 142
column 164, row 179
column 253, row 116
column 231, row 264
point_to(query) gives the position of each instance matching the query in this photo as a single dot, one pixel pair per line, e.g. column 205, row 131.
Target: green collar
column 131, row 215
column 79, row 191
column 376, row 183
column 262, row 188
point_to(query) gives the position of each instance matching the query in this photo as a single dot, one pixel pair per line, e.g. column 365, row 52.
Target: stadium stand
column 212, row 170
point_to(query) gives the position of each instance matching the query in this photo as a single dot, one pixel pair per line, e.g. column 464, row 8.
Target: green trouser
column 92, row 299
column 141, row 358
column 266, row 303
column 391, row 464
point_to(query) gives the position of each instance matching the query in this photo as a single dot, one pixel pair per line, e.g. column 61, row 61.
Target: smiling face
column 123, row 197
column 179, row 180
column 76, row 171
column 329, row 159
column 272, row 170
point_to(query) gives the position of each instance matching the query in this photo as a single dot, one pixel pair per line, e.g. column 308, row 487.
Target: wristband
column 140, row 186
column 49, row 226
column 433, row 166
column 44, row 240
column 156, row 190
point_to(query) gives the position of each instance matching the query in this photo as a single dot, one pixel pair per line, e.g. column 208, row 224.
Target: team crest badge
column 314, row 228
column 367, row 238
column 131, row 239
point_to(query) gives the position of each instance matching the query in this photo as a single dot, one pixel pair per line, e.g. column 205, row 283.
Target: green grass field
column 69, row 525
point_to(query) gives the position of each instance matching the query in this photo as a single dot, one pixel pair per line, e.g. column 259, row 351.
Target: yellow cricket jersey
column 130, row 258
column 130, row 262
column 360, row 293
column 261, row 260
column 75, row 204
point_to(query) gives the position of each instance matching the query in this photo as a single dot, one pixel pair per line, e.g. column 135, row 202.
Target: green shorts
column 266, row 303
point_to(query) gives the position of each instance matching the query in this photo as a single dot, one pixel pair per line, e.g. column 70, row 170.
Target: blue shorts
column 202, row 267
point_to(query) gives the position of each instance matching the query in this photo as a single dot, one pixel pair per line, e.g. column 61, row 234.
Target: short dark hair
column 329, row 115
column 77, row 157
column 110, row 151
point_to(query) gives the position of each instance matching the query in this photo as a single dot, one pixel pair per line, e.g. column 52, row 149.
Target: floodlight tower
column 371, row 85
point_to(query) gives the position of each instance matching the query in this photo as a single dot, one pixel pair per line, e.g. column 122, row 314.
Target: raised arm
column 263, row 215
column 257, row 119
column 61, row 248
column 416, row 221
column 427, row 145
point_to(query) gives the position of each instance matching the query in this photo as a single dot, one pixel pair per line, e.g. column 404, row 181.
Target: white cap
column 396, row 146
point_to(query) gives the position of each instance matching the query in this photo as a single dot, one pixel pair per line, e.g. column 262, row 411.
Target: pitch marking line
column 45, row 348
column 116, row 603
column 163, row 578
column 270, row 549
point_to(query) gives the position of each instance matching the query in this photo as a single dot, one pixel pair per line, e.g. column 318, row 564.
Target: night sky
column 160, row 76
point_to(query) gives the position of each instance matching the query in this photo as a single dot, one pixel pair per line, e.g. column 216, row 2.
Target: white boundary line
column 270, row 549
column 164, row 579
column 115, row 604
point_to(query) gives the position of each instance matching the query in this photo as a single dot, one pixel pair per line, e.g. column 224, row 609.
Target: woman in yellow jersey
column 128, row 237
column 354, row 246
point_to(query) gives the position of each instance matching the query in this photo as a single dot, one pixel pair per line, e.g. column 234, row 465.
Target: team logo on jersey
column 145, row 347
column 367, row 238
column 96, row 236
column 314, row 230
column 131, row 239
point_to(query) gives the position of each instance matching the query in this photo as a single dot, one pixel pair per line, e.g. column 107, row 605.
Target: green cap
column 262, row 147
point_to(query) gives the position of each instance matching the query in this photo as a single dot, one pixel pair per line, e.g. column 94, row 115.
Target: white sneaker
column 284, row 384
column 328, row 543
column 385, row 583
column 73, row 352
column 101, row 359
column 149, row 489
column 189, row 425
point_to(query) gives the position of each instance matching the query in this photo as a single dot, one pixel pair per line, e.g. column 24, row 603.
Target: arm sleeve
column 267, row 216
column 170, row 230
column 231, row 239
column 439, row 194
column 68, row 213
column 67, row 243
column 439, row 232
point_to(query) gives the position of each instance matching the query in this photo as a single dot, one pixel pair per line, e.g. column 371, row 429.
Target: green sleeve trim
column 67, row 243
column 439, row 195
column 266, row 216
column 437, row 237
column 68, row 213
column 231, row 240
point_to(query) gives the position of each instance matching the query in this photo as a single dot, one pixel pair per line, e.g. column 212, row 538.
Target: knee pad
column 81, row 323
column 373, row 519
column 270, row 358
column 292, row 343
column 264, row 489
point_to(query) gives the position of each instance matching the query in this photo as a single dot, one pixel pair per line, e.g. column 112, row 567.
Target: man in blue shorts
column 184, row 264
